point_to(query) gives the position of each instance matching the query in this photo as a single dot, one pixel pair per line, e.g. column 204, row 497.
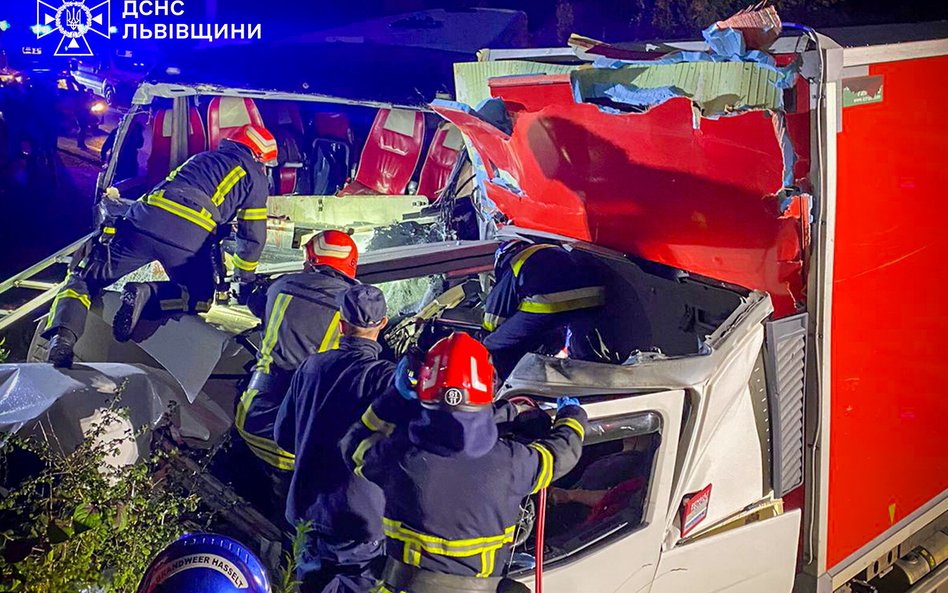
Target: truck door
column 606, row 519
column 756, row 557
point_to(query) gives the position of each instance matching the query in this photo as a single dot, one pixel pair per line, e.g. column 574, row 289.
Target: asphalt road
column 46, row 206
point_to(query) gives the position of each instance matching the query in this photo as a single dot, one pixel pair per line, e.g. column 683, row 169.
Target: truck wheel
column 108, row 93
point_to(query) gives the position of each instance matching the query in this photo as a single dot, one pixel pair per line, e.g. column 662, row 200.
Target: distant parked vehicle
column 113, row 77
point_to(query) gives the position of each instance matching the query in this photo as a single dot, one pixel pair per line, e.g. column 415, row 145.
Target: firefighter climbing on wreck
column 301, row 317
column 452, row 486
column 175, row 224
column 546, row 298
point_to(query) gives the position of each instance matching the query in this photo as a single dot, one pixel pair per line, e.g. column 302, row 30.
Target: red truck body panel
column 649, row 184
column 889, row 319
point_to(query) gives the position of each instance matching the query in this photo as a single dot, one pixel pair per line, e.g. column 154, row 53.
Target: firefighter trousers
column 117, row 251
column 328, row 566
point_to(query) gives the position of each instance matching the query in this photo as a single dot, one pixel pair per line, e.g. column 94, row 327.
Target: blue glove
column 405, row 380
column 565, row 402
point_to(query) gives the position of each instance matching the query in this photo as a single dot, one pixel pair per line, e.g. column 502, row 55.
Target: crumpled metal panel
column 665, row 185
column 68, row 401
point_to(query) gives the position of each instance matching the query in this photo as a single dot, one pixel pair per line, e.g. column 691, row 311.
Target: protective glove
column 405, row 380
column 242, row 291
column 565, row 402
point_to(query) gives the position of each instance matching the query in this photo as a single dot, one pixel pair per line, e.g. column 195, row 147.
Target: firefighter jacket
column 540, row 293
column 327, row 394
column 453, row 487
column 210, row 189
column 301, row 318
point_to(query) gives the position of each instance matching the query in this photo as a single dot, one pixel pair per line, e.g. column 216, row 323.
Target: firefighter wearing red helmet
column 178, row 224
column 453, row 486
column 301, row 317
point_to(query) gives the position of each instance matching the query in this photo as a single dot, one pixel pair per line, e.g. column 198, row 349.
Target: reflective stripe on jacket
column 453, row 488
column 209, row 190
column 542, row 279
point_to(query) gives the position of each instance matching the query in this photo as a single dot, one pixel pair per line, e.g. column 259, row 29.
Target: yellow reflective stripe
column 487, row 563
column 269, row 453
column 524, row 255
column 358, row 458
column 265, row 449
column 372, row 421
column 252, row 214
column 567, row 300
column 411, row 555
column 177, row 304
column 108, row 230
column 66, row 294
column 243, row 405
column 572, row 423
column 227, row 184
column 174, row 173
column 492, row 322
column 546, row 467
column 358, row 472
column 330, row 339
column 445, row 547
column 280, row 304
column 173, row 305
column 247, row 266
column 202, row 219
column 72, row 294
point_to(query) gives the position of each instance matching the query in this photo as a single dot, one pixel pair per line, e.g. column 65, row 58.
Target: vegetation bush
column 81, row 523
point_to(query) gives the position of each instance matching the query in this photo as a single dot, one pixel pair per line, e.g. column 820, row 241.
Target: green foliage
column 83, row 522
column 286, row 581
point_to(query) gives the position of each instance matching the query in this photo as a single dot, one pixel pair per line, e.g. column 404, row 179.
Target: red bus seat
column 390, row 155
column 225, row 115
column 442, row 156
column 159, row 161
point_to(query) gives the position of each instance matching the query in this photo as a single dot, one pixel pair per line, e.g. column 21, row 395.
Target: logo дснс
column 73, row 20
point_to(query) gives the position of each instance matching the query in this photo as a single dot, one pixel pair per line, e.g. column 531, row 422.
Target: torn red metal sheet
column 648, row 184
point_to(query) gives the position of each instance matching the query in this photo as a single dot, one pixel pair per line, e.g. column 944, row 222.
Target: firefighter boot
column 60, row 349
column 134, row 298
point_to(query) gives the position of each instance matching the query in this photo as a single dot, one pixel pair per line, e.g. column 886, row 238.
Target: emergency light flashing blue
column 205, row 563
column 4, row 25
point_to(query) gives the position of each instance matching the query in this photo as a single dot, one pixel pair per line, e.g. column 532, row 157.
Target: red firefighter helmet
column 457, row 375
column 260, row 142
column 335, row 249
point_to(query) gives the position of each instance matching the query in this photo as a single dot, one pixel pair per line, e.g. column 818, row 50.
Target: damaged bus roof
column 365, row 74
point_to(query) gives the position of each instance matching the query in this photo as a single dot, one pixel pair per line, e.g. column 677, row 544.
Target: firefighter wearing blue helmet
column 205, row 563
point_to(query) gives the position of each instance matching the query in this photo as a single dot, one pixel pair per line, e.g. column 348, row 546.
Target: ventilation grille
column 785, row 366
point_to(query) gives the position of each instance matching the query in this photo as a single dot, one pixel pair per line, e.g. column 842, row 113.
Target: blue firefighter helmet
column 205, row 563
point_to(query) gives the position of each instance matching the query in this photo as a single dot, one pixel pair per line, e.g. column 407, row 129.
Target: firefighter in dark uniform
column 453, row 487
column 344, row 551
column 540, row 297
column 301, row 313
column 547, row 298
column 176, row 224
